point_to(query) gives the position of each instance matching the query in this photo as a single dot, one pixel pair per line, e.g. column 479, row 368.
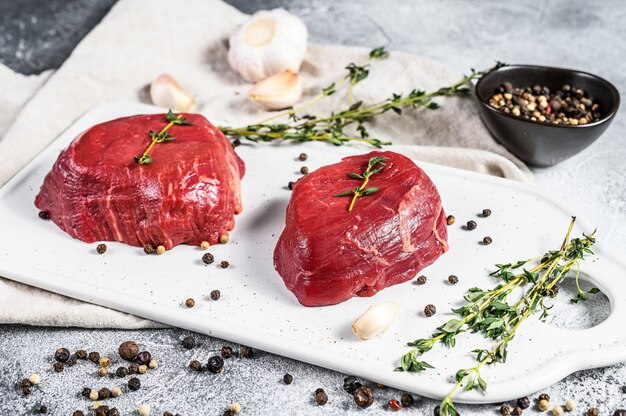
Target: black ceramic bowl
column 534, row 142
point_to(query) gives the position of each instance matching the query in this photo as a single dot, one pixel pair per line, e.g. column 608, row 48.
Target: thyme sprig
column 489, row 312
column 161, row 137
column 374, row 165
column 348, row 124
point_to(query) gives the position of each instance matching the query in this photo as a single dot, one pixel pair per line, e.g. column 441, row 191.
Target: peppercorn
column 153, row 364
column 104, row 361
column 93, row 395
column 453, row 279
column 287, row 379
column 304, row 170
column 290, row 185
column 121, row 372
column 544, row 396
column 160, row 249
column 395, row 405
column 71, row 361
column 543, row 405
column 44, row 215
column 224, row 239
column 149, row 249
column 144, row 410
column 143, row 369
column 168, row 414
column 102, row 410
column 25, row 383
column 86, row 391
column 133, row 369
column 471, row 225
column 34, row 379
column 190, row 303
column 26, row 390
column 101, row 248
column 620, row 412
column 236, row 143
column 81, row 354
column 58, row 367
column 320, row 397
column 303, row 157
column 195, row 365
column 557, row 411
column 134, row 384
column 350, row 384
column 523, row 402
column 94, row 357
column 102, row 372
column 224, row 264
column 188, row 342
column 208, row 258
column 436, row 411
column 62, row 355
column 215, row 364
column 406, row 400
column 363, row 397
column 487, row 240
column 113, row 412
column 593, row 411
column 104, row 393
column 570, row 405
column 226, row 352
column 450, row 219
column 430, row 310
column 128, row 350
column 505, row 410
column 486, row 212
column 215, row 294
column 116, row 391
column 517, row 411
column 228, row 413
column 43, row 409
column 421, row 280
column 235, row 408
column 246, row 352
column 78, row 413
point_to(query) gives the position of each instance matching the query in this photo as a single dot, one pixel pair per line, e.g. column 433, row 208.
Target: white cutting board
column 255, row 308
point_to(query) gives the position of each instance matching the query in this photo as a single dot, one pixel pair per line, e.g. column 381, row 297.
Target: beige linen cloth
column 140, row 39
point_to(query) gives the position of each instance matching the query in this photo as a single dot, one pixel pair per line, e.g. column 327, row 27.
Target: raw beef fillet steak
column 327, row 254
column 188, row 194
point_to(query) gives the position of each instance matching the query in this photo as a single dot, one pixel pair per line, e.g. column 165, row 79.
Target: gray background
column 37, row 35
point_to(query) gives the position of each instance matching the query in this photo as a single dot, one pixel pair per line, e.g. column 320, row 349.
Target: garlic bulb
column 375, row 320
column 278, row 91
column 270, row 42
column 165, row 92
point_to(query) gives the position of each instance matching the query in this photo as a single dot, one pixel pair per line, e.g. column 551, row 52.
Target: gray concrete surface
column 577, row 34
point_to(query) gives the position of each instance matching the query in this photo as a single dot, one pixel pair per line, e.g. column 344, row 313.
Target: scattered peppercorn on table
column 60, row 371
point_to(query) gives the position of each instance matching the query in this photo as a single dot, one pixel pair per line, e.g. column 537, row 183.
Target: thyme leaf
column 374, row 165
column 161, row 137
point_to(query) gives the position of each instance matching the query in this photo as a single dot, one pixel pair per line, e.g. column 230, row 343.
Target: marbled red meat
column 327, row 255
column 189, row 194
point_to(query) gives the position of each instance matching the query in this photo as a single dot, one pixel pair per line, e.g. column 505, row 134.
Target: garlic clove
column 165, row 92
column 376, row 320
column 270, row 42
column 278, row 91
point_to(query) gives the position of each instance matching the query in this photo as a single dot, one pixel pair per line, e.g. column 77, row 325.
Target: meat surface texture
column 188, row 194
column 327, row 255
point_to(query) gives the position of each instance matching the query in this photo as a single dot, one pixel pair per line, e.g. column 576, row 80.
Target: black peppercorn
column 81, row 354
column 226, row 352
column 620, row 412
column 407, row 400
column 450, row 219
column 104, row 393
column 364, row 397
column 44, row 215
column 58, row 367
column 149, row 249
column 593, row 411
column 246, row 352
column 505, row 410
column 350, row 384
column 121, row 372
column 544, row 396
column 25, row 383
column 215, row 364
column 102, row 410
column 215, row 294
column 436, row 411
column 487, row 240
column 189, row 342
column 236, row 142
column 304, row 170
column 94, row 357
column 43, row 409
column 128, row 350
column 26, row 390
column 62, row 355
column 133, row 369
column 195, row 365
column 486, row 212
column 430, row 310
column 320, row 397
column 113, row 412
column 190, row 303
column 78, row 413
column 523, row 402
column 168, row 414
column 287, row 379
column 86, row 391
column 453, row 279
column 208, row 258
column 144, row 357
column 517, row 411
column 134, row 384
column 421, row 280
column 303, row 157
column 290, row 185
column 101, row 248
column 71, row 361
column 471, row 225
column 224, row 264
